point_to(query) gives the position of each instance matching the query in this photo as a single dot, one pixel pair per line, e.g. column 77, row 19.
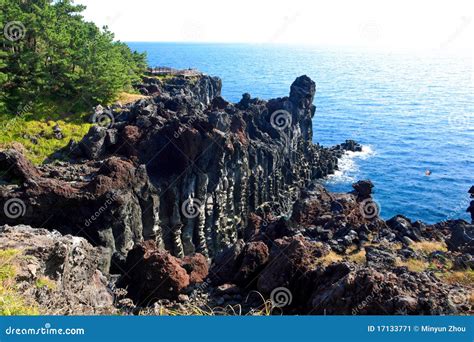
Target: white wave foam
column 348, row 167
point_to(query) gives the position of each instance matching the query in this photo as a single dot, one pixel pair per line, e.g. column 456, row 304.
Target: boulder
column 197, row 267
column 351, row 145
column 380, row 257
column 462, row 237
column 290, row 265
column 15, row 167
column 363, row 189
column 57, row 274
column 254, row 258
column 402, row 227
column 152, row 274
column 226, row 264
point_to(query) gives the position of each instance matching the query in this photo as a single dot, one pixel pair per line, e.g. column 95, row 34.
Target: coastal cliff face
column 192, row 201
column 183, row 167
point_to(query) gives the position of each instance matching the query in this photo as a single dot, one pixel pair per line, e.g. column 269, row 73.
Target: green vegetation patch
column 45, row 282
column 34, row 128
column 54, row 67
column 12, row 302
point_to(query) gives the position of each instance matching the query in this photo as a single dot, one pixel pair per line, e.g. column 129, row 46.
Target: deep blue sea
column 412, row 113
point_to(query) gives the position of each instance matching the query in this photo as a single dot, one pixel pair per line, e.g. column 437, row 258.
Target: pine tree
column 52, row 52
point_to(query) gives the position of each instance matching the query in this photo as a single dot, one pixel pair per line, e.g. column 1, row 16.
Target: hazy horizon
column 394, row 25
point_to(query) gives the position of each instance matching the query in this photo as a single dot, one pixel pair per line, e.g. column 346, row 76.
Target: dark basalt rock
column 290, row 264
column 402, row 226
column 226, row 264
column 254, row 258
column 327, row 276
column 111, row 202
column 462, row 237
column 370, row 292
column 379, row 256
column 201, row 87
column 351, row 145
column 471, row 205
column 471, row 210
column 152, row 274
column 15, row 168
column 363, row 189
column 225, row 159
column 183, row 149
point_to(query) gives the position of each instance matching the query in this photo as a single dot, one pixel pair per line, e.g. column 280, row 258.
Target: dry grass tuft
column 458, row 277
column 265, row 309
column 413, row 265
column 330, row 258
column 358, row 258
column 429, row 246
column 126, row 98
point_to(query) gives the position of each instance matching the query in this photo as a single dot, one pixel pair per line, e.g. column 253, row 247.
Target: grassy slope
column 33, row 126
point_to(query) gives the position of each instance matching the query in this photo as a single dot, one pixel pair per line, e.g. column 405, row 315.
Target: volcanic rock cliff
column 183, row 167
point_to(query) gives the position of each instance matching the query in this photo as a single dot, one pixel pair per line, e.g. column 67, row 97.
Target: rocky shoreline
column 184, row 203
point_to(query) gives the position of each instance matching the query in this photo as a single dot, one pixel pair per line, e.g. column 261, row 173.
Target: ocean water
column 411, row 112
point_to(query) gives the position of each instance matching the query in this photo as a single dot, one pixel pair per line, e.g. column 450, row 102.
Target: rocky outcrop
column 462, row 237
column 396, row 292
column 363, row 189
column 60, row 274
column 201, row 87
column 111, row 202
column 152, row 274
column 184, row 167
column 214, row 163
column 331, row 257
column 471, row 206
